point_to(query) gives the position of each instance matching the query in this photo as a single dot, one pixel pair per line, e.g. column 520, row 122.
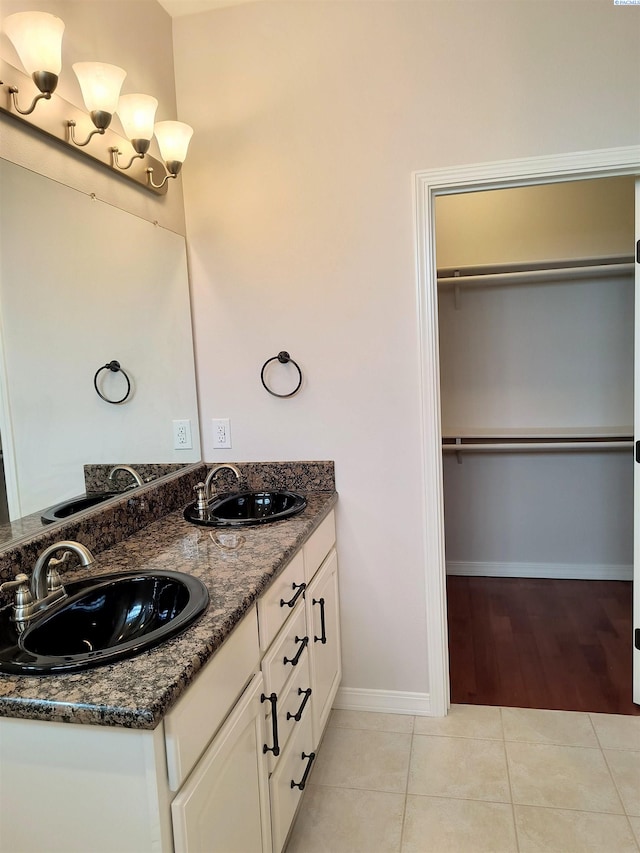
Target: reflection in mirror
column 83, row 283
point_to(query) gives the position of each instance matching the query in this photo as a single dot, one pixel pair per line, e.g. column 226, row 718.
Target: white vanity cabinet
column 224, row 805
column 224, row 771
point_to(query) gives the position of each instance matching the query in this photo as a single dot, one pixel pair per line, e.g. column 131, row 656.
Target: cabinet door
column 323, row 620
column 224, row 805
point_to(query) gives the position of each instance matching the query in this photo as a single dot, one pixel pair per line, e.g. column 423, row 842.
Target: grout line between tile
column 595, row 730
column 615, row 785
column 406, row 787
column 506, row 759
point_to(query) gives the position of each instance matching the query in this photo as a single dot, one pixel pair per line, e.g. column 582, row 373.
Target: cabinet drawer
column 318, row 546
column 199, row 713
column 293, row 700
column 291, row 768
column 287, row 653
column 273, row 606
column 286, row 648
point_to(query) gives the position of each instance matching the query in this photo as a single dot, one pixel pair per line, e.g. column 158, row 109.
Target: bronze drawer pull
column 297, row 717
column 323, row 638
column 300, row 588
column 294, row 661
column 275, row 749
column 303, row 781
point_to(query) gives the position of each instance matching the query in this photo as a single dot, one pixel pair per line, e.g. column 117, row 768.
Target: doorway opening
column 535, row 298
column 429, row 186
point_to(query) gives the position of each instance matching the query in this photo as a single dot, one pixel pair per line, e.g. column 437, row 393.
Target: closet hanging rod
column 536, row 276
column 537, row 446
column 544, row 264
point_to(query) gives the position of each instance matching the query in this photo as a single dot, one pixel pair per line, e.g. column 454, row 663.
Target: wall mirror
column 83, row 283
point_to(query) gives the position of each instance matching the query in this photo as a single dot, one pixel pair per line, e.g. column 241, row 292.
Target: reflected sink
column 73, row 505
column 103, row 619
column 245, row 509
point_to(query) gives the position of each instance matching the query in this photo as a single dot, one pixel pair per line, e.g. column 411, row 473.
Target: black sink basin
column 70, row 507
column 245, row 509
column 104, row 619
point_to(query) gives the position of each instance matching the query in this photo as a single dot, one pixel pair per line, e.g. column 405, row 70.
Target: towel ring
column 284, row 358
column 114, row 367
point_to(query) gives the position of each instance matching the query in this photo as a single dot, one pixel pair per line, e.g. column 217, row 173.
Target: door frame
column 427, row 185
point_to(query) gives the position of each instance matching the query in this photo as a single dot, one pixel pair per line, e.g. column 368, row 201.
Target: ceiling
column 176, row 8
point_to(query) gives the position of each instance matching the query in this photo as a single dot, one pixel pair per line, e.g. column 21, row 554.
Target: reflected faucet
column 45, row 587
column 129, row 470
column 212, row 473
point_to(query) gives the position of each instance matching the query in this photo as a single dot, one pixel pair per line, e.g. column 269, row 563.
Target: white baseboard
column 383, row 701
column 567, row 571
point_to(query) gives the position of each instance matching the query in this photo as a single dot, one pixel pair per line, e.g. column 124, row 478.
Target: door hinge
column 638, row 251
column 638, row 639
column 637, row 451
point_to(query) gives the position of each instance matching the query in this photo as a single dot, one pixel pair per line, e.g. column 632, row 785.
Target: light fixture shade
column 137, row 113
column 100, row 84
column 173, row 140
column 37, row 38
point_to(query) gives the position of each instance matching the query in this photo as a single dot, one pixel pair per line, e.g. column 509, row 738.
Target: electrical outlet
column 221, row 432
column 182, row 435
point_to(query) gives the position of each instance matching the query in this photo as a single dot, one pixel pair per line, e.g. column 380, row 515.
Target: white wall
column 310, row 119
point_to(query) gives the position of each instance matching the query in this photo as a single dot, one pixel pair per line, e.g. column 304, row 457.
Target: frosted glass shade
column 173, row 140
column 37, row 38
column 100, row 84
column 137, row 113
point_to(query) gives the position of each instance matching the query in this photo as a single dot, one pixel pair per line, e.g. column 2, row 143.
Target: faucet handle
column 54, row 583
column 201, row 496
column 23, row 605
column 20, row 580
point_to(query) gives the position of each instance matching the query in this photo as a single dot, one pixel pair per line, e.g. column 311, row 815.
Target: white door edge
column 427, row 185
column 636, row 467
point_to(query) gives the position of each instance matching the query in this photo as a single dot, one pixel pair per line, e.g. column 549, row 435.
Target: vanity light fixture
column 37, row 38
column 173, row 139
column 100, row 84
column 136, row 114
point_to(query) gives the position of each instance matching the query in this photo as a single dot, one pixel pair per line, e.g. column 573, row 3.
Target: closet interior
column 536, row 331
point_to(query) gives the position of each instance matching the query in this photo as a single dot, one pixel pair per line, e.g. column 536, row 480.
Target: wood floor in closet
column 538, row 643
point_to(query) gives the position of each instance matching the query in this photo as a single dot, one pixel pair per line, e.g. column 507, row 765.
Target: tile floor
column 481, row 779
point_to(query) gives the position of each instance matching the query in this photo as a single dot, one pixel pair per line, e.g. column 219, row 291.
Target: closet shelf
column 488, row 275
column 571, row 433
column 537, row 445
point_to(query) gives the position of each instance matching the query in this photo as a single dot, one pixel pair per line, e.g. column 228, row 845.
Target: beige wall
column 571, row 219
column 135, row 34
column 310, row 118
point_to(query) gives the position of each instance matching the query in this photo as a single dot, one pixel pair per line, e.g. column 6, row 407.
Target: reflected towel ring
column 114, row 366
column 284, row 358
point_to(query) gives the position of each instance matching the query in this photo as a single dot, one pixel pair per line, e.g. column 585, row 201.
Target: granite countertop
column 137, row 693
